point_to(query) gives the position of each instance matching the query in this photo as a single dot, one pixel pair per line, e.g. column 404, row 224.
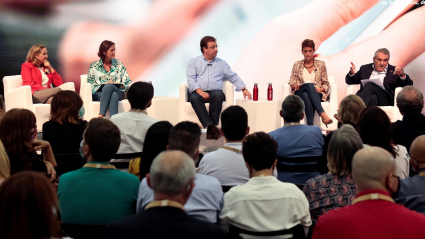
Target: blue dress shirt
column 412, row 193
column 204, row 203
column 209, row 76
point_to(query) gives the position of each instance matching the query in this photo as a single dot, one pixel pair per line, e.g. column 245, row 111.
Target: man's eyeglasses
column 213, row 47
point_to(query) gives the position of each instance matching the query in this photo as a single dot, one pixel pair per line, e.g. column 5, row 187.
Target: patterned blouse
column 329, row 191
column 321, row 76
column 97, row 74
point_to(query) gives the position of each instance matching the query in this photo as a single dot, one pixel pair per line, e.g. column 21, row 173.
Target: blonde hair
column 350, row 108
column 35, row 50
column 4, row 164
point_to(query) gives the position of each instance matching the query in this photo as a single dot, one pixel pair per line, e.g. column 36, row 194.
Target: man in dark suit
column 171, row 177
column 390, row 77
column 410, row 102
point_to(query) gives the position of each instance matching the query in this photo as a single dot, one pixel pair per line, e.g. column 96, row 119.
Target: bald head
column 417, row 150
column 172, row 172
column 371, row 168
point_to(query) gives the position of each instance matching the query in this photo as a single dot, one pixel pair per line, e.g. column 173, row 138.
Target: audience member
column 411, row 191
column 171, row 177
column 29, row 207
column 374, row 213
column 134, row 123
column 156, row 141
column 348, row 113
column 64, row 131
column 227, row 163
column 18, row 132
column 337, row 188
column 375, row 130
column 302, row 143
column 264, row 203
column 410, row 102
column 4, row 164
column 2, row 107
column 206, row 200
column 98, row 193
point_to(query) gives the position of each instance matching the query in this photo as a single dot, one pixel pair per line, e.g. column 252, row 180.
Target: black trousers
column 374, row 95
column 216, row 103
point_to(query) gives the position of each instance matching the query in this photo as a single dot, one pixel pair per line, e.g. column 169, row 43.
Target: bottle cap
column 270, row 83
column 255, row 83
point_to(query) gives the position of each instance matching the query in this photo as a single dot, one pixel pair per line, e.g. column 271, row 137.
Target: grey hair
column 382, row 50
column 172, row 172
column 292, row 108
column 410, row 100
column 345, row 142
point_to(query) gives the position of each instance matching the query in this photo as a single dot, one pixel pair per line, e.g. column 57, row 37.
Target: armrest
column 86, row 96
column 183, row 97
column 68, row 86
column 352, row 89
column 20, row 98
column 229, row 92
column 396, row 114
column 286, row 90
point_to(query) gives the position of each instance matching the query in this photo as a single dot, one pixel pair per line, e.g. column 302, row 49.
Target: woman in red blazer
column 40, row 75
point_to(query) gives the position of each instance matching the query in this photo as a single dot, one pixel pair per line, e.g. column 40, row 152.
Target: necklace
column 308, row 67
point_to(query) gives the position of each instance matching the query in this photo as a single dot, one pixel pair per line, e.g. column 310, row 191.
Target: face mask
column 34, row 135
column 81, row 149
column 81, row 112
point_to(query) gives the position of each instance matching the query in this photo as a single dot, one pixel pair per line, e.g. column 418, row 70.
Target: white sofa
column 186, row 112
column 18, row 96
column 392, row 111
column 330, row 107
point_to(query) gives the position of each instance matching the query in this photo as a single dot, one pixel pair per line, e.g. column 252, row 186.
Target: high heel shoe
column 325, row 119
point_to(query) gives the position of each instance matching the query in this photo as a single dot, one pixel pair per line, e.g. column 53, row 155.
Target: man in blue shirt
column 299, row 146
column 411, row 193
column 205, row 75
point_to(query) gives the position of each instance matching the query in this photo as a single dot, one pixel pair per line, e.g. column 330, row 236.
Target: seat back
column 10, row 83
column 226, row 188
column 296, row 232
column 68, row 162
column 83, row 231
column 124, row 164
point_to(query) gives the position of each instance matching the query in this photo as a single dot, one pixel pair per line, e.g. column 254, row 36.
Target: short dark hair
column 185, row 136
column 103, row 138
column 205, row 40
column 65, row 107
column 234, row 121
column 410, row 100
column 259, row 150
column 139, row 94
column 308, row 43
column 104, row 46
column 292, row 108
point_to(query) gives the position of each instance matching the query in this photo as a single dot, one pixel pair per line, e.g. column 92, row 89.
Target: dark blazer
column 405, row 131
column 162, row 222
column 391, row 81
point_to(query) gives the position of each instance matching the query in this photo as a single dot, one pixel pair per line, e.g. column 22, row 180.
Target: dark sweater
column 64, row 139
column 405, row 131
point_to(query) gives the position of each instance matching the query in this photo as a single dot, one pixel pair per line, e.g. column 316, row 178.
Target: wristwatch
column 402, row 73
column 243, row 89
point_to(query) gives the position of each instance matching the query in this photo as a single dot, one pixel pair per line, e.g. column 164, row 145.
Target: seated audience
column 337, row 188
column 18, row 132
column 171, row 177
column 410, row 102
column 4, row 164
column 227, row 163
column 29, row 207
column 373, row 213
column 375, row 130
column 156, row 141
column 298, row 141
column 64, row 131
column 206, row 200
column 411, row 191
column 37, row 72
column 348, row 113
column 98, row 193
column 134, row 123
column 263, row 204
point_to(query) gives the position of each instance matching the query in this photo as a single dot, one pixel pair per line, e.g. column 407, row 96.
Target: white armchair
column 18, row 96
column 392, row 111
column 91, row 107
column 186, row 112
column 330, row 107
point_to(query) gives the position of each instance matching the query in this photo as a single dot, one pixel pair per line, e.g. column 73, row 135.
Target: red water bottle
column 270, row 92
column 255, row 92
